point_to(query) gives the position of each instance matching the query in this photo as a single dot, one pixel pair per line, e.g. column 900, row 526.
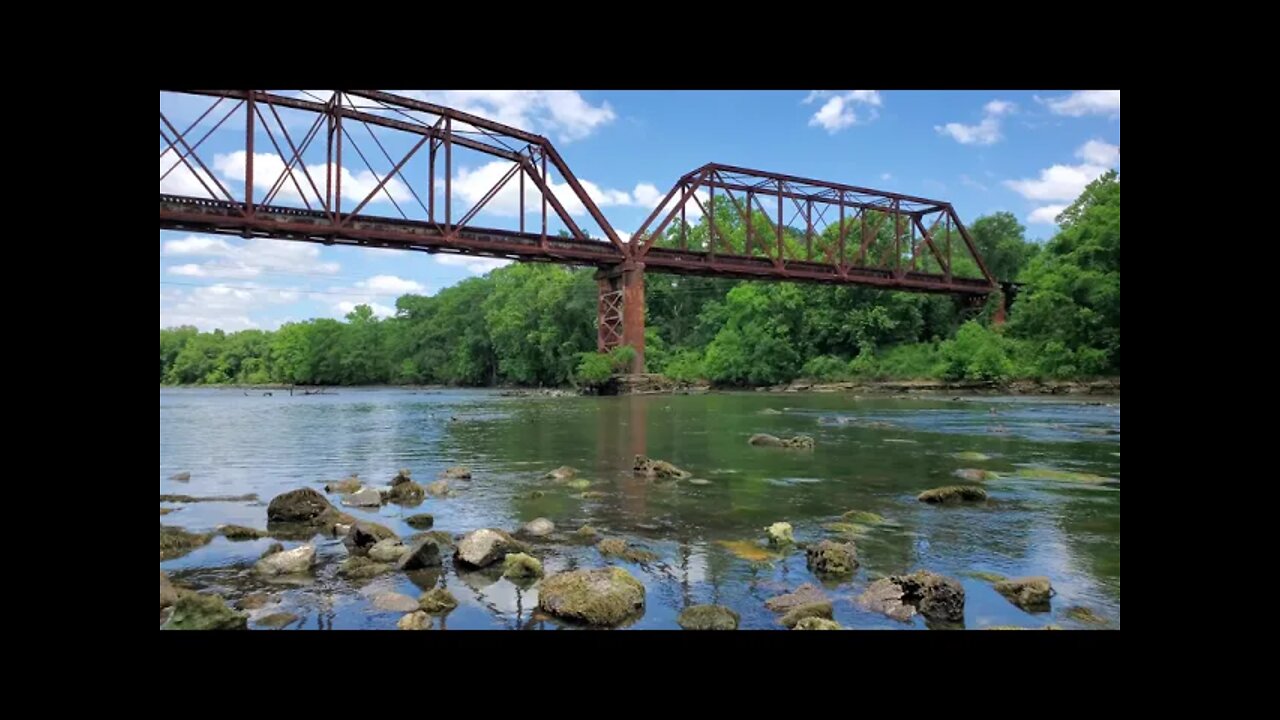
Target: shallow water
column 872, row 454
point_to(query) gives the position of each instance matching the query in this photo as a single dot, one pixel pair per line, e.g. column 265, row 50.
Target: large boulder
column 289, row 562
column 422, row 554
column 1028, row 593
column 708, row 617
column 659, row 469
column 832, row 558
column 194, row 611
column 901, row 596
column 953, row 494
column 607, row 596
column 486, row 546
column 301, row 505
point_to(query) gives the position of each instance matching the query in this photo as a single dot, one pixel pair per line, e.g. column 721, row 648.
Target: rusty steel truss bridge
column 297, row 149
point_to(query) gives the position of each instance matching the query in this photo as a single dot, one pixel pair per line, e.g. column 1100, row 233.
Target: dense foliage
column 534, row 324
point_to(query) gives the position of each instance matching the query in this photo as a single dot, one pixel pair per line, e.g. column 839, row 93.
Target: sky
column 1025, row 152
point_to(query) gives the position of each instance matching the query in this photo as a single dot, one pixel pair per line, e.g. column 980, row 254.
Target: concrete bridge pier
column 620, row 310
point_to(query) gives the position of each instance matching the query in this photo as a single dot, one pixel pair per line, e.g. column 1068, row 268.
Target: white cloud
column 986, row 132
column 390, row 284
column 246, row 259
column 646, row 194
column 474, row 265
column 1085, row 102
column 220, row 306
column 184, row 178
column 563, row 113
column 470, row 186
column 839, row 111
column 1063, row 183
column 1045, row 215
column 268, row 167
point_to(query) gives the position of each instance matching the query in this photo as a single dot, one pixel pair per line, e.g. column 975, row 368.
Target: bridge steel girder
column 622, row 264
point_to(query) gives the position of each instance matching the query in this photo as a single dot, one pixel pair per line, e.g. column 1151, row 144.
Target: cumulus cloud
column 564, row 114
column 1063, row 183
column 840, row 111
column 245, row 258
column 1085, row 102
column 986, row 132
column 473, row 265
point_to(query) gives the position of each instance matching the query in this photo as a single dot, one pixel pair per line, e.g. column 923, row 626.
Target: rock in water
column 180, row 477
column 276, row 620
column 803, row 595
column 764, row 440
column 407, row 492
column 387, row 551
column 832, row 558
column 422, row 554
column 367, row 497
column 486, row 546
column 1028, row 593
column 345, row 485
column 439, row 488
column 240, row 532
column 364, row 535
column 401, row 477
column 708, row 617
column 289, row 562
column 817, row 623
column 953, row 494
column 272, row 549
column 301, row 505
column 808, row 610
column 563, row 472
column 520, row 565
column 437, row 601
column 779, row 533
column 659, row 469
column 416, row 620
column 194, row 611
column 455, row 473
column 617, row 547
column 394, row 602
column 607, row 596
column 900, row 596
column 539, row 527
column 359, row 567
column 421, row 521
column 176, row 542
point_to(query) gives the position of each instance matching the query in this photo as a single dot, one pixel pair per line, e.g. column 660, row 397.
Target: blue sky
column 1029, row 153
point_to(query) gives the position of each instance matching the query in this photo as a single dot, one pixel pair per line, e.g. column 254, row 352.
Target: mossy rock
column 437, row 602
column 240, row 532
column 358, row 567
column 578, row 484
column 832, row 558
column 862, row 517
column 817, row 623
column 1085, row 615
column 953, row 494
column 194, row 611
column 421, row 521
column 748, row 550
column 176, row 542
column 820, row 609
column 1028, row 593
column 708, row 617
column 1063, row 475
column 520, row 565
column 586, row 533
column 847, row 529
column 615, row 547
column 779, row 534
column 608, row 596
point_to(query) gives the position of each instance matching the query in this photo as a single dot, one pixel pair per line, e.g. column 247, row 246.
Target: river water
column 1049, row 513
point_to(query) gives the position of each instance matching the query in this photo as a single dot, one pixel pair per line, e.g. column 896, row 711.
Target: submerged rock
column 985, row 576
column 180, row 477
column 176, row 542
column 607, row 596
column 846, row 529
column 971, row 456
column 344, row 486
column 975, row 475
column 616, row 547
column 394, row 602
column 534, row 494
column 539, row 527
column 1028, row 593
column 817, row 623
column 659, row 469
column 359, row 567
column 578, row 484
column 417, row 620
column 253, row 601
column 520, row 565
column 1085, row 615
column 208, row 498
column 803, row 442
column 455, row 473
column 424, row 553
column 779, row 533
column 276, row 620
column 487, row 546
column 593, row 495
column 832, row 558
column 194, row 611
column 439, row 488
column 821, row 609
column 901, row 596
column 240, row 532
column 564, row 472
column 289, row 562
column 953, row 494
column 586, row 533
column 437, row 601
column 421, row 521
column 168, row 593
column 366, row 497
column 770, row 411
column 389, row 550
column 749, row 550
column 804, row 595
column 708, row 617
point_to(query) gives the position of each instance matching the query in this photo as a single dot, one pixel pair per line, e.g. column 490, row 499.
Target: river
column 1048, row 512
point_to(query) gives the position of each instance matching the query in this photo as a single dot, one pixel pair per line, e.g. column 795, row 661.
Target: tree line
column 534, row 324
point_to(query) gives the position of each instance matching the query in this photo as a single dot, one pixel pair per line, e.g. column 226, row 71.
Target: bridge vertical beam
column 633, row 312
column 620, row 310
